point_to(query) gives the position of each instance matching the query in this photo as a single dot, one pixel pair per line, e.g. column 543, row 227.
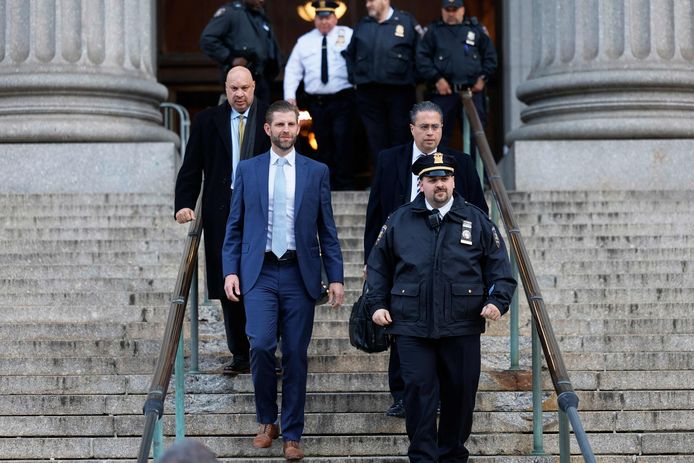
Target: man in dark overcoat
column 220, row 137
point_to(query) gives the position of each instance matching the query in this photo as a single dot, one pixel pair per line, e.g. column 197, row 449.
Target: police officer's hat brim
column 437, row 172
column 308, row 13
column 452, row 4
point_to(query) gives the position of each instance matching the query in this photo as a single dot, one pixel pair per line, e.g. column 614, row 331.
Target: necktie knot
column 281, row 162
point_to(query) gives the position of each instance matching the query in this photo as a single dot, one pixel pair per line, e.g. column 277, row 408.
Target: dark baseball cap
column 452, row 4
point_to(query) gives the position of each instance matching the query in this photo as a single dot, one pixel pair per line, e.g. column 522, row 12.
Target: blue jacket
column 435, row 283
column 246, row 236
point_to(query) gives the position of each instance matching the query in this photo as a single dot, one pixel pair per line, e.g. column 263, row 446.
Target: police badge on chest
column 466, row 233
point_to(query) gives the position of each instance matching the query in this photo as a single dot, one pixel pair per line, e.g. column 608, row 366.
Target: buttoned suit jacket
column 314, row 227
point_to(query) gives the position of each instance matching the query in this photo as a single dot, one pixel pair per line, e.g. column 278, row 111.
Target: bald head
column 239, row 88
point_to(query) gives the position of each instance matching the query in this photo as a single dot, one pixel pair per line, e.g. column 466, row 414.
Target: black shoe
column 397, row 410
column 238, row 366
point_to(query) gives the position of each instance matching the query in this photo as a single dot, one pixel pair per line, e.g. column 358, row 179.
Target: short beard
column 285, row 145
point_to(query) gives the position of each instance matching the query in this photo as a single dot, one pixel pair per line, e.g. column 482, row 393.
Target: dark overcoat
column 208, row 155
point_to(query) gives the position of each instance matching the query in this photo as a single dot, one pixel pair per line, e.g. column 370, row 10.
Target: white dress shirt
column 414, row 188
column 290, row 180
column 305, row 63
column 235, row 145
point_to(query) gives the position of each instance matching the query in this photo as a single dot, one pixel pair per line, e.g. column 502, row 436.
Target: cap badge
column 438, row 158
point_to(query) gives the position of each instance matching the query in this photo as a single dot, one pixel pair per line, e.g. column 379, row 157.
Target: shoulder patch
column 219, row 12
column 380, row 234
column 496, row 237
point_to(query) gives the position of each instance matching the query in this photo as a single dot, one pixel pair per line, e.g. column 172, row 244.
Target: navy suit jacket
column 391, row 185
column 246, row 235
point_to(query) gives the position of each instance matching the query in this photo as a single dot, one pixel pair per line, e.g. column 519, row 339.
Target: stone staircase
column 85, row 286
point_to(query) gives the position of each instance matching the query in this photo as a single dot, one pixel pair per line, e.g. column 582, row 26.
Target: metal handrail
column 154, row 405
column 566, row 396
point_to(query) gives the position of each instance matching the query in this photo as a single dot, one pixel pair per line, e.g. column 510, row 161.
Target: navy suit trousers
column 446, row 369
column 279, row 300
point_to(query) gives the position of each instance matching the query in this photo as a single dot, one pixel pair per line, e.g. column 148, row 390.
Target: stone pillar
column 79, row 71
column 607, row 71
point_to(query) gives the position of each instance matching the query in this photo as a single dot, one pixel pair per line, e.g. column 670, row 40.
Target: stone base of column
column 88, row 168
column 648, row 164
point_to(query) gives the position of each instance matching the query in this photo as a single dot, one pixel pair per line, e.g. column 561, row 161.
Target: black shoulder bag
column 364, row 334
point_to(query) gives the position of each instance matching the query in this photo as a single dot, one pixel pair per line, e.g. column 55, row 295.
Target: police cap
column 434, row 165
column 452, row 4
column 324, row 8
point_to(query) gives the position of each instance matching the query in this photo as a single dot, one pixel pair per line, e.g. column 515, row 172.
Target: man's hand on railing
column 336, row 295
column 479, row 85
column 185, row 215
column 381, row 317
column 490, row 312
column 232, row 287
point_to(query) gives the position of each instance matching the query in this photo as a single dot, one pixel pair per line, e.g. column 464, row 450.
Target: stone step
column 616, row 281
column 473, row 459
column 627, row 343
column 657, row 206
column 616, row 295
column 605, row 241
column 104, row 298
column 17, row 259
column 46, row 272
column 632, row 326
column 625, row 266
column 625, row 218
column 666, row 196
column 93, row 233
column 581, row 230
column 105, row 313
column 78, row 210
column 617, row 310
column 364, row 445
column 70, row 331
column 98, row 284
column 61, row 200
column 220, row 402
column 92, row 221
column 540, row 256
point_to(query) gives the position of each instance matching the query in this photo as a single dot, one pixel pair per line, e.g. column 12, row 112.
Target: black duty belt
column 321, row 99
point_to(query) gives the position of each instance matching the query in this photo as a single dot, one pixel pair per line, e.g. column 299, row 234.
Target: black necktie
column 324, row 61
column 435, row 219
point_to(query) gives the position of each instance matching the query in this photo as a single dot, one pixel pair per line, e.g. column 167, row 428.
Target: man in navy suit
column 280, row 228
column 394, row 184
column 220, row 137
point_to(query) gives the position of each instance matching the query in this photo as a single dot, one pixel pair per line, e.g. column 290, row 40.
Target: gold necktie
column 242, row 128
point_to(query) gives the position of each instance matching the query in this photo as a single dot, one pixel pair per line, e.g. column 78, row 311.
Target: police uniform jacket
column 383, row 53
column 460, row 53
column 435, row 284
column 236, row 31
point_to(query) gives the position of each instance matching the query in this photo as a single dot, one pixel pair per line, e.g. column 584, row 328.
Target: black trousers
column 452, row 107
column 332, row 123
column 384, row 111
column 446, row 369
column 235, row 327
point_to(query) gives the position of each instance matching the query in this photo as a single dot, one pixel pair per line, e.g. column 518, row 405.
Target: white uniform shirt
column 290, row 182
column 305, row 63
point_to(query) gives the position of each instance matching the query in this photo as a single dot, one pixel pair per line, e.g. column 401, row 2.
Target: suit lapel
column 262, row 173
column 301, row 171
column 403, row 160
column 223, row 124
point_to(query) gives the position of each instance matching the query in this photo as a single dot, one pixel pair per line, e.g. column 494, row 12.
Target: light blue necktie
column 279, row 211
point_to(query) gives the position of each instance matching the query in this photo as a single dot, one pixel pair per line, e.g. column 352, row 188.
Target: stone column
column 79, row 71
column 620, row 72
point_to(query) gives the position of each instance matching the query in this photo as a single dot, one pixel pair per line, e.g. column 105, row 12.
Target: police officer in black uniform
column 381, row 63
column 437, row 273
column 239, row 34
column 456, row 53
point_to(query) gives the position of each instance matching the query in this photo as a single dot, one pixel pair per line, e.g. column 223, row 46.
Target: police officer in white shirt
column 317, row 60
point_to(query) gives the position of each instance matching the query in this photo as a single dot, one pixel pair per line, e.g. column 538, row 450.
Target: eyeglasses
column 428, row 127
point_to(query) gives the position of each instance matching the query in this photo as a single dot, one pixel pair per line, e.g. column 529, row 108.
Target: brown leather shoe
column 266, row 433
column 292, row 451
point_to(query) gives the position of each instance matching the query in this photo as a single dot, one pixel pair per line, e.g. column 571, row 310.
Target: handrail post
column 538, row 444
column 158, row 441
column 193, row 299
column 564, row 438
column 180, row 377
column 514, row 322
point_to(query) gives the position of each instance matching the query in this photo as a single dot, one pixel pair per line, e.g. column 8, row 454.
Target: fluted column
column 609, row 69
column 79, row 71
